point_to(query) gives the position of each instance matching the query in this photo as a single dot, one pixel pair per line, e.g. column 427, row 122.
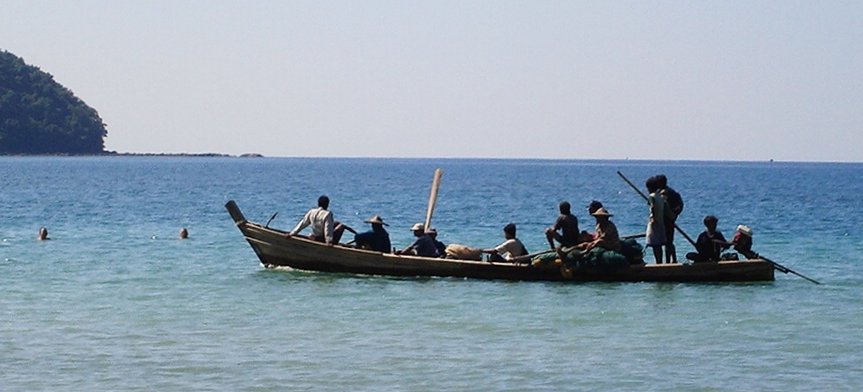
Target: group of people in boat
column 665, row 205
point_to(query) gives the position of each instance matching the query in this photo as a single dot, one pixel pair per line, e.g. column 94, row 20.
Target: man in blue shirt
column 423, row 246
column 377, row 238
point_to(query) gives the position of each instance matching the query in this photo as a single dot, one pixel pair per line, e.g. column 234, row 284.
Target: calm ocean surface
column 114, row 302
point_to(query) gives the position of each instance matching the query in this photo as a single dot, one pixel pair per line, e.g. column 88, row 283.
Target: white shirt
column 510, row 248
column 321, row 221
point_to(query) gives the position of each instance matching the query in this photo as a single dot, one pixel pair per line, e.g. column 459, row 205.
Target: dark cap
column 593, row 206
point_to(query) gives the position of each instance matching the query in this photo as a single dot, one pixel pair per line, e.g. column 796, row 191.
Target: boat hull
column 274, row 249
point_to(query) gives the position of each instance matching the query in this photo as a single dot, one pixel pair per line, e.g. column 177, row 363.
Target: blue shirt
column 424, row 246
column 375, row 239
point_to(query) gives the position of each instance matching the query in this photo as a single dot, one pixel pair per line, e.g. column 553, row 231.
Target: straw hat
column 601, row 212
column 743, row 229
column 376, row 219
column 418, row 227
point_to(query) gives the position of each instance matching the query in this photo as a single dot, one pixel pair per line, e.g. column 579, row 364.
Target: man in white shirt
column 321, row 220
column 509, row 249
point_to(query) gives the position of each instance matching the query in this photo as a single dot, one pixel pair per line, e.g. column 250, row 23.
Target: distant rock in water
column 40, row 116
column 251, row 155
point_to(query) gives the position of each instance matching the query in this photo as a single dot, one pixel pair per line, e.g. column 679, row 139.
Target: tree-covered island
column 40, row 116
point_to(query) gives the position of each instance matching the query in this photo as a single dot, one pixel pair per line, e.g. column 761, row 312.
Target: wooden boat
column 275, row 250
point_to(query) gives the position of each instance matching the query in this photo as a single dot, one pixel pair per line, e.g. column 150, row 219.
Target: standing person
column 423, row 245
column 675, row 206
column 565, row 229
column 656, row 220
column 377, row 238
column 509, row 249
column 710, row 243
column 324, row 228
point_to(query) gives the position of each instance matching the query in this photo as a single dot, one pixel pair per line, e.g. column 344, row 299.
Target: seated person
column 324, row 227
column 509, row 249
column 423, row 246
column 565, row 229
column 441, row 248
column 606, row 233
column 743, row 242
column 376, row 239
column 710, row 243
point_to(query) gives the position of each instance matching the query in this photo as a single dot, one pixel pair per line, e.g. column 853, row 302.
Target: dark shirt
column 707, row 248
column 675, row 202
column 375, row 239
column 568, row 226
column 424, row 246
column 441, row 248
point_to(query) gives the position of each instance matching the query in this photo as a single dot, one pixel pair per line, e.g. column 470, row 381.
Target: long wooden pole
column 679, row 230
column 784, row 269
column 438, row 173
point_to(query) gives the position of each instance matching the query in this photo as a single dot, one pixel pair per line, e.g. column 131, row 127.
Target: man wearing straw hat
column 377, row 238
column 606, row 232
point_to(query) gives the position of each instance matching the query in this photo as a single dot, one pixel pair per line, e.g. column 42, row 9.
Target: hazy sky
column 718, row 80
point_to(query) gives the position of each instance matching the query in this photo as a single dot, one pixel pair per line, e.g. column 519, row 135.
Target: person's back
column 377, row 238
column 320, row 219
column 440, row 246
column 674, row 205
column 567, row 226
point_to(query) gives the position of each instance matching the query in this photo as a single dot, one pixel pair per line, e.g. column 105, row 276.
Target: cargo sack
column 463, row 252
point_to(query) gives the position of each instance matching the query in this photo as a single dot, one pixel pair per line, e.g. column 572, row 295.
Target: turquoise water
column 115, row 302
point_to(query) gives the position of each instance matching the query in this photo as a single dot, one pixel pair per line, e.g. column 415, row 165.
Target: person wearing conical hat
column 377, row 238
column 606, row 232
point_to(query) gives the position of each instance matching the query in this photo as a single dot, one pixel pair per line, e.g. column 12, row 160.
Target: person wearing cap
column 565, row 228
column 423, row 245
column 377, row 238
column 743, row 242
column 509, row 249
column 709, row 244
column 440, row 246
column 606, row 233
column 324, row 227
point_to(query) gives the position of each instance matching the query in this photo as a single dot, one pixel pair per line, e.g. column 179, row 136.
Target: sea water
column 115, row 302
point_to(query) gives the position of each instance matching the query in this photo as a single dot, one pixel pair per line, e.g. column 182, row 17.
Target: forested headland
column 40, row 116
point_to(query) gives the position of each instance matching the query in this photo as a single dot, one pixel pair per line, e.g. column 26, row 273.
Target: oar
column 433, row 197
column 785, row 270
column 679, row 230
